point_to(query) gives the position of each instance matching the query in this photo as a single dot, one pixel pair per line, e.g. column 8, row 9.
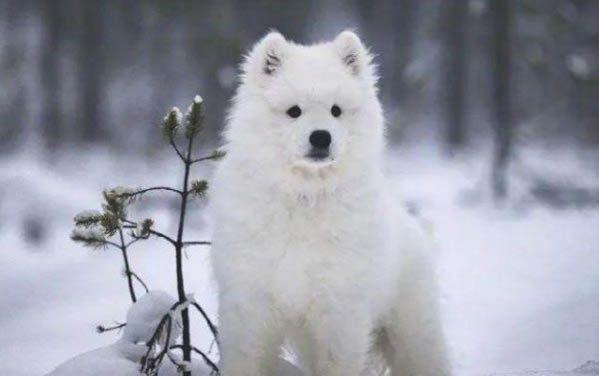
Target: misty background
column 492, row 111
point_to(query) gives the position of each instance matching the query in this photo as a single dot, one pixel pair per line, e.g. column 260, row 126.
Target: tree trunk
column 51, row 117
column 502, row 117
column 13, row 80
column 90, row 71
column 454, row 69
column 402, row 23
column 390, row 24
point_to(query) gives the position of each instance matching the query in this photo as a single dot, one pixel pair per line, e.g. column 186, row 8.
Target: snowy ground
column 521, row 283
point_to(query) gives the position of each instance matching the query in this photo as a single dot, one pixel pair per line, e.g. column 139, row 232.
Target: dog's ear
column 267, row 56
column 273, row 52
column 352, row 52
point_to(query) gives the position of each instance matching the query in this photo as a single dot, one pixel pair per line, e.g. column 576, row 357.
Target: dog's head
column 311, row 110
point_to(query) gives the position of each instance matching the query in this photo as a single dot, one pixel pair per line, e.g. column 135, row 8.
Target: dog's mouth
column 319, row 166
column 318, row 156
column 315, row 162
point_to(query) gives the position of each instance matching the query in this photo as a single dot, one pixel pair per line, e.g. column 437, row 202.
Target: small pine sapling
column 100, row 229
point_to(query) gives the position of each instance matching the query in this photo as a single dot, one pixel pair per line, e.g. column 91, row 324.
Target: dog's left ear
column 352, row 52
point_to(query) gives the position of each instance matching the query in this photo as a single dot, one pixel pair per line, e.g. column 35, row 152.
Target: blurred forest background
column 103, row 72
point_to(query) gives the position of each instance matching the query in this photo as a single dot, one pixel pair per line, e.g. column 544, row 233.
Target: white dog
column 309, row 250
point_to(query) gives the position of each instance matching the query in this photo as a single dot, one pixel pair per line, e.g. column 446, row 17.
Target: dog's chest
column 314, row 231
column 315, row 251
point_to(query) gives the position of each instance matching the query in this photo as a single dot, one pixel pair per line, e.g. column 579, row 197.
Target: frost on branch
column 171, row 122
column 93, row 228
column 88, row 218
column 92, row 236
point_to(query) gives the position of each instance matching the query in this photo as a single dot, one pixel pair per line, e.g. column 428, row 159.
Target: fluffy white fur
column 316, row 255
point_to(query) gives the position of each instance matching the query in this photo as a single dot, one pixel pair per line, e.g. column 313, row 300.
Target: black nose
column 320, row 139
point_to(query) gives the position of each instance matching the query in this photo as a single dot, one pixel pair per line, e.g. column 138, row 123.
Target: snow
column 177, row 112
column 121, row 191
column 189, row 298
column 521, row 282
column 198, row 368
column 91, row 233
column 118, row 359
column 196, row 101
column 87, row 215
column 589, row 368
column 123, row 357
column 144, row 316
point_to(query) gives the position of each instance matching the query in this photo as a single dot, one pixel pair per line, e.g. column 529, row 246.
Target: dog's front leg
column 342, row 341
column 249, row 339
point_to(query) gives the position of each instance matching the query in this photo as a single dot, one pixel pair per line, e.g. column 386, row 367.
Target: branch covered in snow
column 91, row 236
column 194, row 117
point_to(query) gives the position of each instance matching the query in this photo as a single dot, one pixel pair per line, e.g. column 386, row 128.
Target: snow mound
column 198, row 368
column 123, row 357
column 591, row 367
column 145, row 315
column 119, row 359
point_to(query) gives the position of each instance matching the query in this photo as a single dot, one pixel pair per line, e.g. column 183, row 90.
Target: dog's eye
column 335, row 111
column 294, row 111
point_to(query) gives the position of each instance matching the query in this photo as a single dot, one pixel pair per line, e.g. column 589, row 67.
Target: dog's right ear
column 267, row 56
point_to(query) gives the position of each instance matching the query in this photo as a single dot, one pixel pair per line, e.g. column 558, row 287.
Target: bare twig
column 138, row 278
column 209, row 322
column 108, row 242
column 163, row 236
column 165, row 349
column 102, row 329
column 153, row 232
column 174, row 145
column 202, row 242
column 127, row 266
column 211, row 347
column 206, row 158
column 148, row 363
column 161, row 188
column 134, row 240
